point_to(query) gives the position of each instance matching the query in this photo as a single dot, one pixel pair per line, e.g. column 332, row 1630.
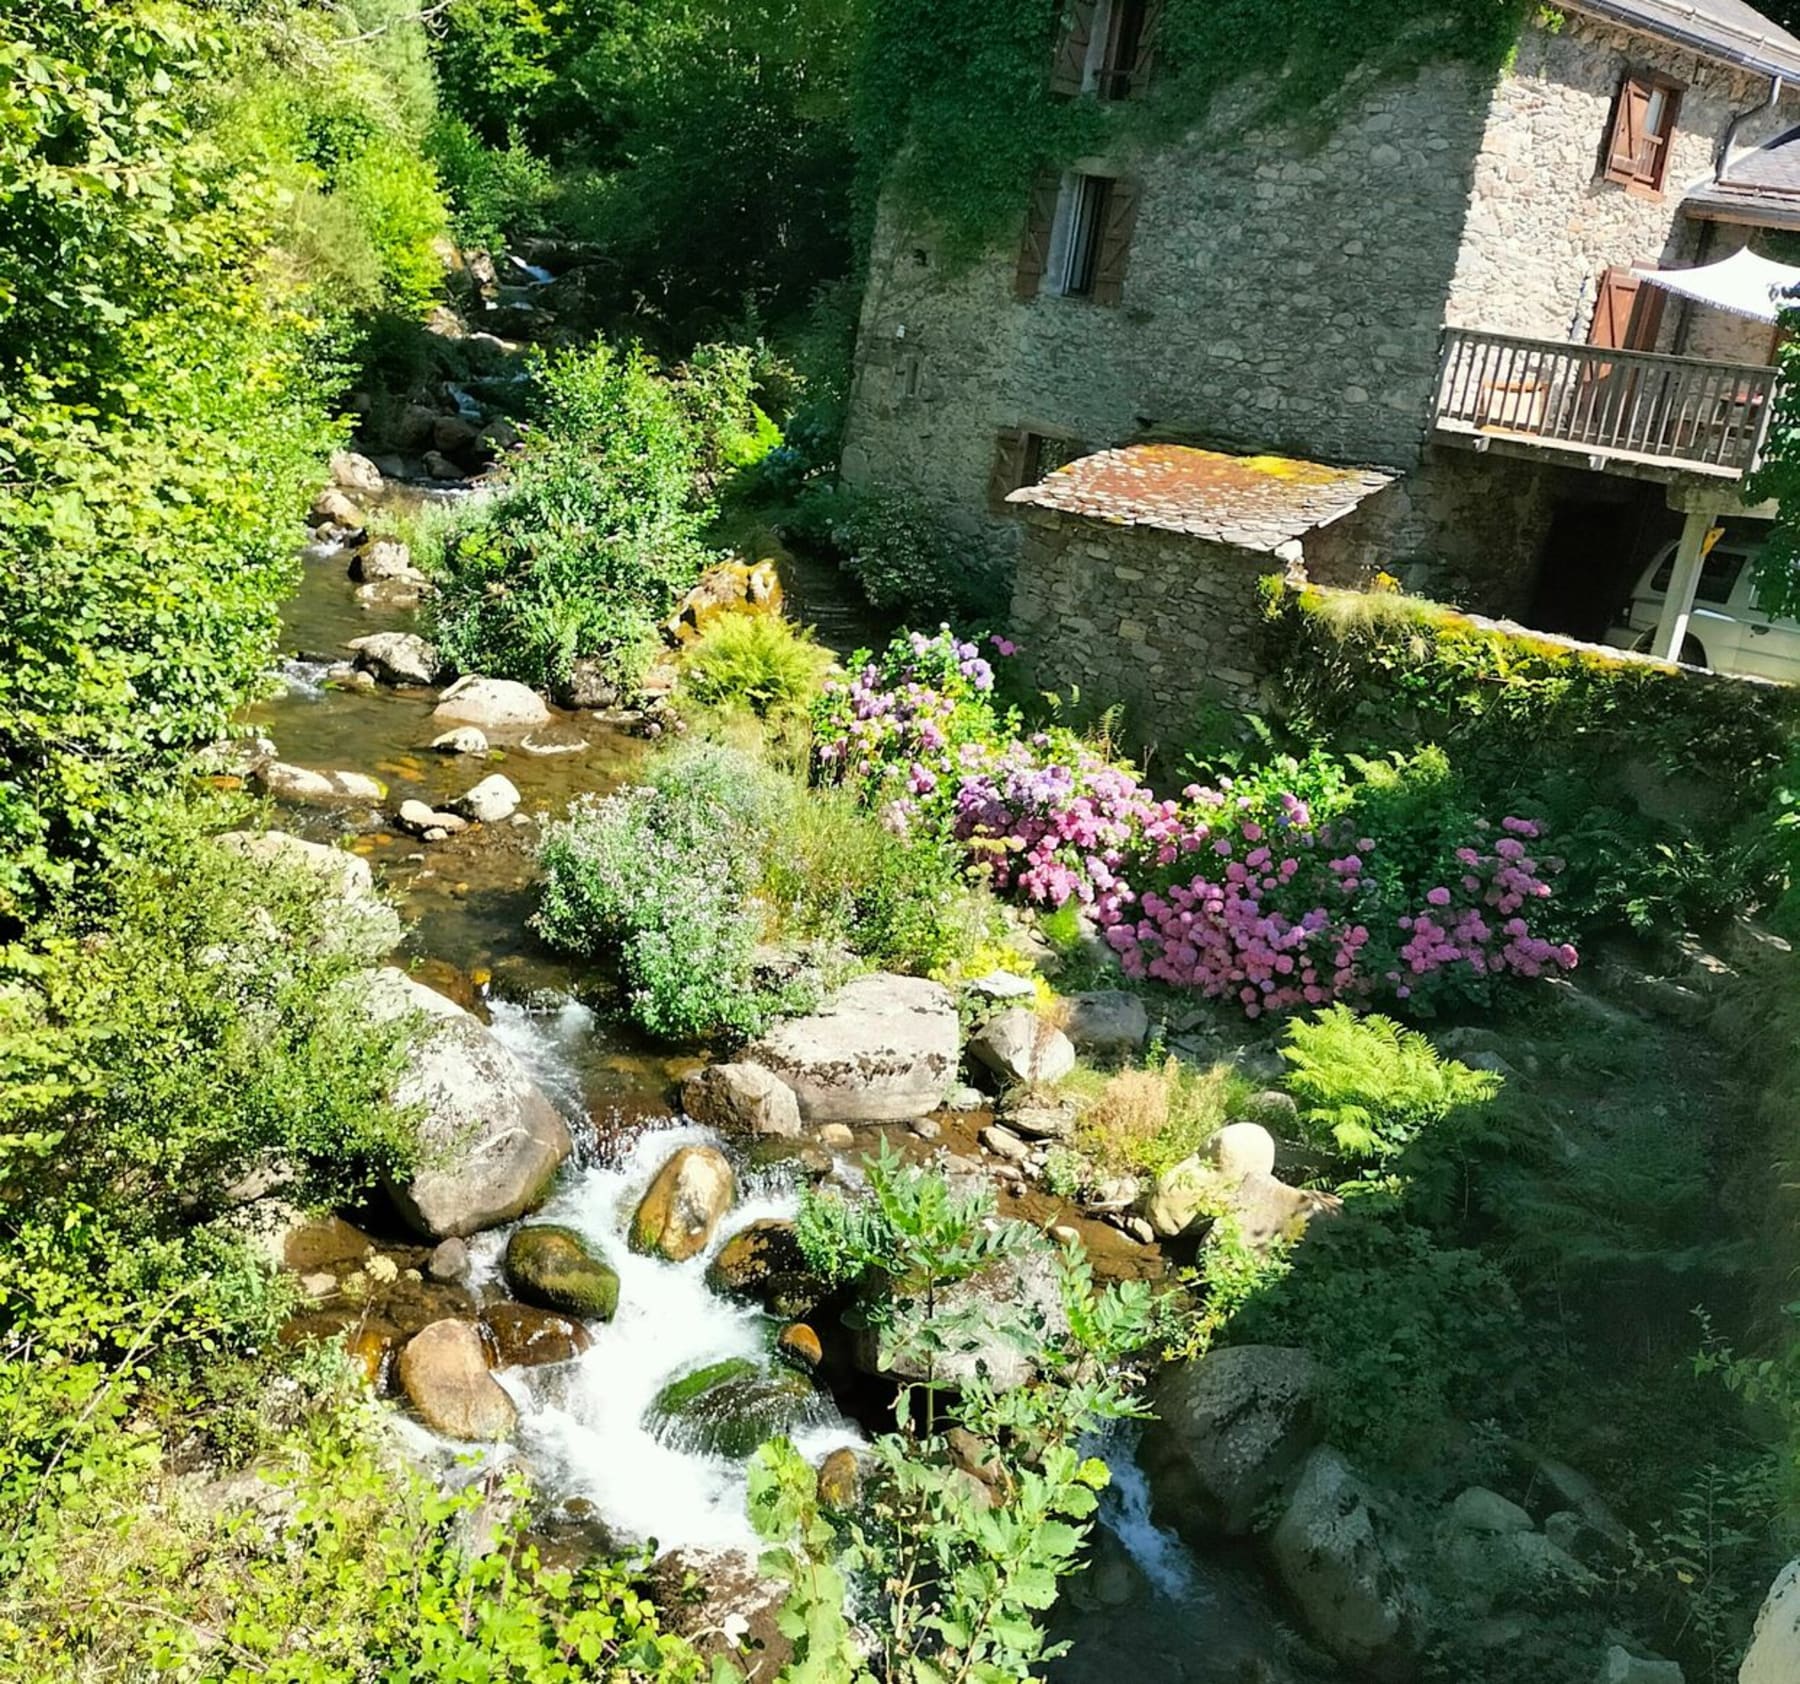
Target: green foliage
column 1574, row 735
column 954, row 1570
column 340, row 1563
column 1368, row 1088
column 659, row 879
column 759, row 663
column 1148, row 1118
column 1412, row 1335
column 901, row 554
column 953, row 105
column 493, row 192
column 595, row 533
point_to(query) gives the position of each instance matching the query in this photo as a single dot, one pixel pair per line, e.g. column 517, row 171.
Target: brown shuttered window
column 1643, row 126
column 1627, row 313
column 1068, row 75
column 1040, row 227
column 1114, row 253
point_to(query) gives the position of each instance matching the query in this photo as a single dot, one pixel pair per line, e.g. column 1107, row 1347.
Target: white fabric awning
column 1743, row 284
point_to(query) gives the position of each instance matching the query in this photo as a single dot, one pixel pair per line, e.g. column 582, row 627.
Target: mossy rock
column 555, row 1268
column 764, row 1264
column 728, row 1408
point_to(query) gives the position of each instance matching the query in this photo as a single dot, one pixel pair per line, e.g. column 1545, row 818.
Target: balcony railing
column 1634, row 406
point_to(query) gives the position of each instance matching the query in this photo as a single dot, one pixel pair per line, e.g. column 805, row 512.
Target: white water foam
column 1125, row 1512
column 582, row 1424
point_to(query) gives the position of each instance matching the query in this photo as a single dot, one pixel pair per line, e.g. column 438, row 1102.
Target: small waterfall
column 1125, row 1512
column 590, row 1427
column 304, row 677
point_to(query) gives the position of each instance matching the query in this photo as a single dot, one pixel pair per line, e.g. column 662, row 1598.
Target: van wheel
column 1692, row 653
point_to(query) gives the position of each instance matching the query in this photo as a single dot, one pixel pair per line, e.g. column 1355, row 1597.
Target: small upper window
column 1643, row 125
column 1077, row 239
column 1105, row 48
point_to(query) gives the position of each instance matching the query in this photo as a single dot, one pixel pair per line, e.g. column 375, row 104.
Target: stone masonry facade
column 1287, row 294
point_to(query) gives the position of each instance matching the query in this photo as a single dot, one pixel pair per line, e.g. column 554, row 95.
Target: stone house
column 1446, row 291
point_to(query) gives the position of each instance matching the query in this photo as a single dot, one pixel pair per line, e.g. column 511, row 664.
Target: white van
column 1726, row 631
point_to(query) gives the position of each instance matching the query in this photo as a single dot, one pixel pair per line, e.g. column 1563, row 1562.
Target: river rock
column 1241, row 1149
column 840, row 1480
column 449, row 1261
column 465, row 739
column 444, row 1373
column 1003, row 1143
column 1230, row 1427
column 398, row 658
column 351, row 472
column 1774, row 1656
column 764, row 1263
column 491, row 1141
column 799, row 1345
column 882, row 1049
column 554, row 1267
column 1480, row 1510
column 418, row 819
column 523, row 1336
column 1042, row 1122
column 384, row 560
column 492, row 703
column 456, row 437
column 742, row 1098
column 1021, row 1290
column 677, row 1216
column 1619, row 1666
column 332, row 508
column 492, row 801
column 1019, row 1046
column 591, row 683
column 302, row 787
column 1338, row 1552
column 1107, row 1021
column 730, row 1408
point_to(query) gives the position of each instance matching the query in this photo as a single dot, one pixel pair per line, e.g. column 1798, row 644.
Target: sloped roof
column 1760, row 186
column 1722, row 29
column 1252, row 502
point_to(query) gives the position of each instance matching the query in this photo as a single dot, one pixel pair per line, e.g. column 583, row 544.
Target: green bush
column 496, row 194
column 902, row 555
column 757, row 663
column 596, row 532
column 1368, row 1088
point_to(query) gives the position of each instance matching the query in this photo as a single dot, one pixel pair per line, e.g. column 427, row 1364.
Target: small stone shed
column 1139, row 570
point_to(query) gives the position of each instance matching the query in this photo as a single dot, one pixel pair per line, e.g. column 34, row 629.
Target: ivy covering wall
column 954, row 107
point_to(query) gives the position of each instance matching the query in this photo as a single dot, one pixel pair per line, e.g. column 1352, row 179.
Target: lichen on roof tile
column 1253, row 502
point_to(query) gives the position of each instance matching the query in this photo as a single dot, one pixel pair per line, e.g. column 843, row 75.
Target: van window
column 1718, row 575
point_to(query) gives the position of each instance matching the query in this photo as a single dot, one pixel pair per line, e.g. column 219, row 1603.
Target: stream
column 587, row 1427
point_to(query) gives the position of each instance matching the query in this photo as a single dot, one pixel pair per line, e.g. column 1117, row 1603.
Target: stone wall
column 1543, row 223
column 1159, row 622
column 1282, row 294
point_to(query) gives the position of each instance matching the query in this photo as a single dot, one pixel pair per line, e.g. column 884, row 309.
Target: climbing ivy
column 954, row 109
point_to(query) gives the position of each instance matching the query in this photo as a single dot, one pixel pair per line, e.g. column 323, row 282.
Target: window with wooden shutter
column 1114, row 246
column 1068, row 74
column 1142, row 46
column 1040, row 227
column 1643, row 126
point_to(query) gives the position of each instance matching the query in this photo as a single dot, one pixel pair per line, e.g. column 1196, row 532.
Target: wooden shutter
column 1625, row 160
column 1145, row 63
column 1069, row 69
column 1034, row 245
column 1627, row 313
column 1011, row 445
column 1115, row 242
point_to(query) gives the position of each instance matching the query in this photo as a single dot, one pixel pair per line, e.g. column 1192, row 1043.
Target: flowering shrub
column 1295, row 887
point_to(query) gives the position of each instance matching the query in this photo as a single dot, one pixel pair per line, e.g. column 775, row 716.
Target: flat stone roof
column 1252, row 502
column 1761, row 186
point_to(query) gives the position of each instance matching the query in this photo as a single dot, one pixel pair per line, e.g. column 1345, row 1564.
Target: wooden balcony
column 1629, row 410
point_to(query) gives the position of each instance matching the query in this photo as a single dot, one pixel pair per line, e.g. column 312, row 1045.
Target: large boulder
column 882, row 1049
column 1019, row 1046
column 729, row 1408
column 398, row 658
column 351, row 472
column 1338, row 1552
column 492, row 801
column 444, row 1373
column 1233, row 1178
column 385, row 560
column 742, row 1099
column 553, row 1266
column 1018, row 1293
column 1107, row 1021
column 495, row 704
column 1774, row 1656
column 490, row 1140
column 1230, row 1428
column 764, row 1263
column 677, row 1217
